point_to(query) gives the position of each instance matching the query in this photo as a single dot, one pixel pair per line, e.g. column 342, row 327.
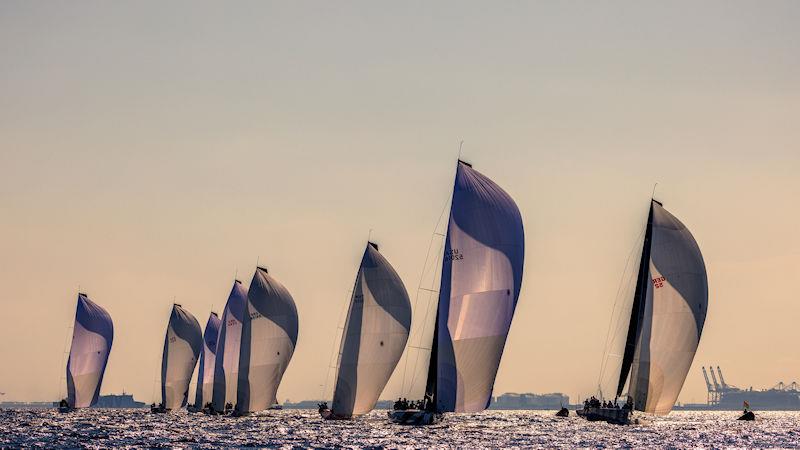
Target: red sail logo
column 659, row 282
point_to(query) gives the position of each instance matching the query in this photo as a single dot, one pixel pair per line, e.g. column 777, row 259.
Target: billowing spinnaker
column 481, row 280
column 674, row 313
column 205, row 373
column 182, row 345
column 374, row 337
column 88, row 355
column 226, row 368
column 269, row 336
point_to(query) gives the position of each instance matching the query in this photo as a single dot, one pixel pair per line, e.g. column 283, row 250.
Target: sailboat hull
column 611, row 415
column 414, row 417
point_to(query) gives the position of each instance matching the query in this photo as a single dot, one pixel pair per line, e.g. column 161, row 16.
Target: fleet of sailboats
column 244, row 353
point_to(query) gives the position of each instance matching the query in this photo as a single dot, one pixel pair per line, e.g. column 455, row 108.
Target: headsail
column 182, row 345
column 667, row 322
column 226, row 368
column 269, row 336
column 91, row 344
column 481, row 281
column 375, row 334
column 205, row 374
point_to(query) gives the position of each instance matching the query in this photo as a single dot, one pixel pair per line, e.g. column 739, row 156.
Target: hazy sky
column 150, row 150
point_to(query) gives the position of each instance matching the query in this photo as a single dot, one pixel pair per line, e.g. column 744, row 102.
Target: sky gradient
column 152, row 151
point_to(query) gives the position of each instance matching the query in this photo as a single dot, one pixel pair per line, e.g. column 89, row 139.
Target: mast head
column 465, row 163
column 373, row 245
column 656, row 201
column 237, row 281
column 262, row 268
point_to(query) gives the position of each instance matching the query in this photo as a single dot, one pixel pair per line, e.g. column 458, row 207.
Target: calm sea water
column 99, row 428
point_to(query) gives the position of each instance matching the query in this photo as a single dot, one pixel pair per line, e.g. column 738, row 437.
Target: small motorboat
column 563, row 412
column 64, row 409
column 414, row 417
column 747, row 415
column 616, row 416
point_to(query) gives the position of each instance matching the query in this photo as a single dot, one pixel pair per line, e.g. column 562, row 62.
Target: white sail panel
column 269, row 336
column 182, row 345
column 674, row 315
column 92, row 337
column 481, row 281
column 374, row 337
column 226, row 368
column 205, row 372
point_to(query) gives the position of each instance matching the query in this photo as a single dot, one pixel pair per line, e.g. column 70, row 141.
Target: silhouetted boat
column 666, row 321
column 480, row 284
column 92, row 337
column 373, row 339
column 182, row 343
column 205, row 373
column 226, row 365
column 269, row 337
column 563, row 412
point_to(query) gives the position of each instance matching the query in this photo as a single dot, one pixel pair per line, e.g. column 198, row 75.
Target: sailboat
column 669, row 307
column 182, row 344
column 92, row 337
column 205, row 372
column 375, row 334
column 269, row 337
column 226, row 366
column 481, row 279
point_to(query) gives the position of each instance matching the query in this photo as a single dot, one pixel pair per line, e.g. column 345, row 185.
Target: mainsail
column 480, row 285
column 667, row 317
column 375, row 334
column 205, row 374
column 88, row 355
column 269, row 336
column 182, row 345
column 226, row 367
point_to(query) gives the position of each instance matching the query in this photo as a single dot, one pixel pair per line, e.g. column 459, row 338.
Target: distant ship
column 115, row 401
column 726, row 397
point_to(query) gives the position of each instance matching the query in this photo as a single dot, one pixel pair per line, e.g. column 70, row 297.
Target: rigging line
column 435, row 304
column 603, row 361
column 425, row 269
column 63, row 362
column 335, row 343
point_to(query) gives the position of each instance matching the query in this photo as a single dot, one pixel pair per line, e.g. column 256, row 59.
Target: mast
column 430, row 386
column 637, row 311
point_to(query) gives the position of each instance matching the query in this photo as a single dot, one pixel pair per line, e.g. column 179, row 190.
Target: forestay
column 375, row 334
column 182, row 345
column 88, row 355
column 480, row 285
column 269, row 336
column 226, row 367
column 205, row 372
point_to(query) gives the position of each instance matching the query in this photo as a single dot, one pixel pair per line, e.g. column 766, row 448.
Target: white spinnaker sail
column 673, row 318
column 480, row 285
column 269, row 336
column 92, row 337
column 182, row 345
column 205, row 372
column 226, row 368
column 374, row 337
